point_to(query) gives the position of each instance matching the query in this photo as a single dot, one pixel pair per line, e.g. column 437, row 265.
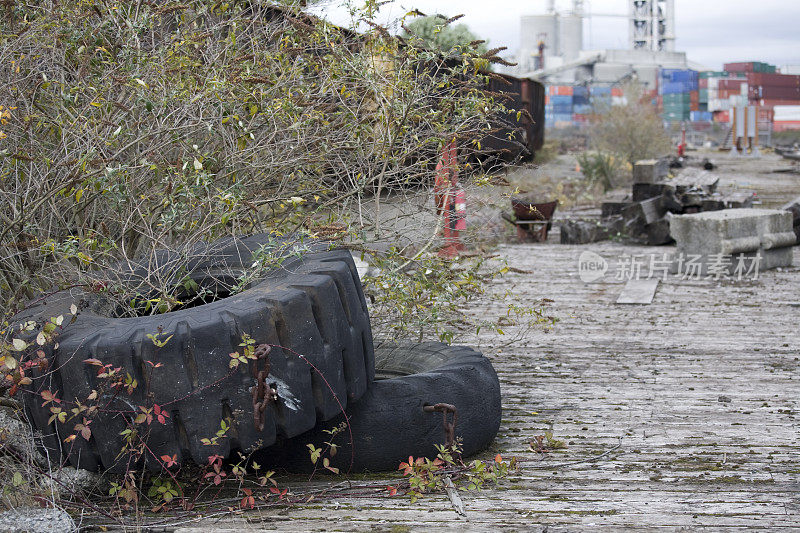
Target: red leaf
column 392, row 490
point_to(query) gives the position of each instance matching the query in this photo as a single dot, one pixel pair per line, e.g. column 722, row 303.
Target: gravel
column 33, row 520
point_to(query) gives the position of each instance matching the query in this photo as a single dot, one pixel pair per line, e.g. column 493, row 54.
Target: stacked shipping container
column 567, row 105
column 678, row 94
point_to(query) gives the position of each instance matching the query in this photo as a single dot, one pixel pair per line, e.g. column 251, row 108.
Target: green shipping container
column 678, row 108
column 676, row 98
column 675, row 117
column 713, row 74
column 704, row 95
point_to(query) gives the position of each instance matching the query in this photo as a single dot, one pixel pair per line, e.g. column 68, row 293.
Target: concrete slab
column 638, row 291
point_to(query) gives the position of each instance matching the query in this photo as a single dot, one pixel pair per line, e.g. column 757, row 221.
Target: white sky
column 712, row 32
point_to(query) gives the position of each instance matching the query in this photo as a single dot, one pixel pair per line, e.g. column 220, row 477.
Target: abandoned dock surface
column 678, row 415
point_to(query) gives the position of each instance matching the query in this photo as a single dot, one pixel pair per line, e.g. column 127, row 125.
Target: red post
column 450, row 201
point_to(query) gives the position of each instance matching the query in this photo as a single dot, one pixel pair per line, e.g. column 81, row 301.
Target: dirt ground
column 679, row 415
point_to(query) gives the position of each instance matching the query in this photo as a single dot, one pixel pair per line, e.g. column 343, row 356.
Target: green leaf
column 19, row 344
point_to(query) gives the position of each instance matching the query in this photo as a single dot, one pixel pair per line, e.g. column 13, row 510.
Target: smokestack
column 669, row 26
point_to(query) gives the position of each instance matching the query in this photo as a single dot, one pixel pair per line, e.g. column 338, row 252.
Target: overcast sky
column 712, row 32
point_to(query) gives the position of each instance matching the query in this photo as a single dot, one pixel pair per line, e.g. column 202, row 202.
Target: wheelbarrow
column 532, row 220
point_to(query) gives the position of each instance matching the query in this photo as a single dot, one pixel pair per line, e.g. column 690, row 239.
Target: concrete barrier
column 722, row 237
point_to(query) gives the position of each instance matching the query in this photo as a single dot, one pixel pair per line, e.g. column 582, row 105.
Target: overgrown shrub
column 633, row 131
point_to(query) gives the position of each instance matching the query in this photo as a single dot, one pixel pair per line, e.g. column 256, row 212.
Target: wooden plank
column 609, row 375
column 638, row 291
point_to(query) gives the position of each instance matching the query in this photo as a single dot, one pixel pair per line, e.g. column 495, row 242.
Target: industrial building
column 551, row 50
column 551, row 46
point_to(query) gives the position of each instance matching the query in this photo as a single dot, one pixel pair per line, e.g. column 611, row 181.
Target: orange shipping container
column 616, row 91
column 786, row 125
column 561, row 90
column 773, row 103
column 722, row 116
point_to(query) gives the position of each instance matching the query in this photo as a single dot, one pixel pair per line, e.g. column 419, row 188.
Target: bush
column 145, row 126
column 604, row 169
column 633, row 131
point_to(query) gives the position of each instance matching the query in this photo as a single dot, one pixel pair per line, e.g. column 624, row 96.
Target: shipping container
column 779, row 126
column 751, row 66
column 580, row 91
column 560, row 99
column 723, row 117
column 700, row 116
column 678, row 97
column 773, row 80
column 731, row 84
column 774, row 103
column 582, row 109
column 774, row 93
column 561, row 90
column 786, row 112
column 616, row 91
column 719, row 104
column 601, row 91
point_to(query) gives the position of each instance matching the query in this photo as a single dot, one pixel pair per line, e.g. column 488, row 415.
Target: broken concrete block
column 658, row 232
column 693, row 179
column 713, row 204
column 738, row 200
column 793, row 207
column 692, row 199
column 647, row 210
column 645, row 191
column 731, row 232
column 650, row 170
column 582, row 232
column 609, row 209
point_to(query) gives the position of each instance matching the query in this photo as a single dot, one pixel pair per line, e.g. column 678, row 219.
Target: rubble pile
column 643, row 217
column 794, row 208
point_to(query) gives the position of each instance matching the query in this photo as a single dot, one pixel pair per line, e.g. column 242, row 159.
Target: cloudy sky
column 712, row 32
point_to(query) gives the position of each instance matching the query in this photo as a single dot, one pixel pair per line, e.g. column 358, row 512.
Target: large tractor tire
column 310, row 310
column 391, row 422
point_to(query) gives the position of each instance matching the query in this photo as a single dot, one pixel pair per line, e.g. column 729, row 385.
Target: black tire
column 388, row 423
column 312, row 305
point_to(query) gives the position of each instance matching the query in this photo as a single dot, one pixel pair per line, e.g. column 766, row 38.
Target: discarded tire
column 313, row 306
column 390, row 421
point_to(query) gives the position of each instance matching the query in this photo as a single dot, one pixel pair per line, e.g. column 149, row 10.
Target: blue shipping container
column 601, row 91
column 557, row 99
column 700, row 116
column 584, row 109
column 674, row 75
column 677, row 87
column 580, row 100
column 580, row 91
column 560, row 109
column 563, row 117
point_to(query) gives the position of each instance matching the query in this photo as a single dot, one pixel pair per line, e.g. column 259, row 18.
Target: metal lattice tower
column 652, row 25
